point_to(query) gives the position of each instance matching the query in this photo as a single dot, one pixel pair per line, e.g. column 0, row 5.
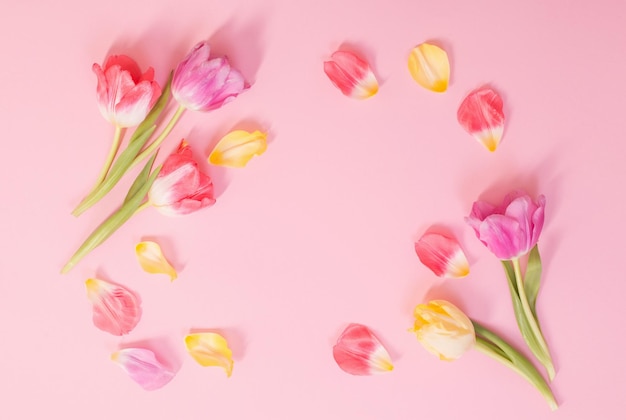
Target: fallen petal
column 358, row 352
column 237, row 147
column 143, row 367
column 152, row 260
column 442, row 255
column 351, row 75
column 115, row 309
column 210, row 349
column 480, row 114
column 429, row 67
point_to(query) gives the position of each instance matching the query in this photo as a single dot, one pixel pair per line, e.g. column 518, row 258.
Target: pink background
column 319, row 231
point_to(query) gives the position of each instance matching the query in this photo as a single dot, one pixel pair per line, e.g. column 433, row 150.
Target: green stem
column 143, row 206
column 532, row 321
column 487, row 341
column 157, row 142
column 117, row 137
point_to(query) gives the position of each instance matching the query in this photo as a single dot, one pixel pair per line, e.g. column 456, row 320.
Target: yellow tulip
column 443, row 329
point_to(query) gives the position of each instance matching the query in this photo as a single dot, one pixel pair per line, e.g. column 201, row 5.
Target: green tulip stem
column 117, row 137
column 157, row 142
column 495, row 347
column 143, row 206
column 532, row 321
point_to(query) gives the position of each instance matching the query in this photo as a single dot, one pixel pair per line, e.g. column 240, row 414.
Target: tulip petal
column 152, row 260
column 237, row 147
column 429, row 67
column 481, row 115
column 358, row 352
column 351, row 75
column 443, row 329
column 442, row 255
column 116, row 310
column 143, row 367
column 210, row 349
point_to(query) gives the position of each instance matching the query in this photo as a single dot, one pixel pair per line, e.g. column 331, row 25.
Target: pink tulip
column 180, row 188
column 125, row 96
column 201, row 84
column 511, row 229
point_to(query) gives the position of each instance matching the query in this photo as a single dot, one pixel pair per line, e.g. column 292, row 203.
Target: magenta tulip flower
column 180, row 188
column 203, row 84
column 511, row 229
column 125, row 95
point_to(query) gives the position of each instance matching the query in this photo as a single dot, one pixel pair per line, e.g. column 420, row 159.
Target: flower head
column 180, row 187
column 443, row 329
column 203, row 84
column 125, row 95
column 511, row 229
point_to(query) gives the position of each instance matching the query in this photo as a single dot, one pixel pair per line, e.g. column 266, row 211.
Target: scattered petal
column 442, row 255
column 210, row 349
column 351, row 75
column 358, row 352
column 480, row 114
column 115, row 309
column 429, row 67
column 152, row 260
column 236, row 148
column 143, row 367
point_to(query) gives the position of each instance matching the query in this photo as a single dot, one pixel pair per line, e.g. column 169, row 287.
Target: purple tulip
column 511, row 229
column 203, row 84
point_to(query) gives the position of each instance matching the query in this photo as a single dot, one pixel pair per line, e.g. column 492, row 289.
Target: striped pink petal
column 143, row 367
column 351, row 75
column 116, row 310
column 442, row 255
column 480, row 114
column 358, row 352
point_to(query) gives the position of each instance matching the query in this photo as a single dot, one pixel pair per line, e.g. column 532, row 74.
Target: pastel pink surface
column 318, row 232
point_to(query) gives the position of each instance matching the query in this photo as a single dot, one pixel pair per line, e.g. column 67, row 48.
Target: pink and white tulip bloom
column 125, row 95
column 511, row 229
column 180, row 188
column 351, row 75
column 203, row 84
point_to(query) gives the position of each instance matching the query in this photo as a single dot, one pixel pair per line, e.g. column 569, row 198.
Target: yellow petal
column 152, row 260
column 210, row 349
column 429, row 66
column 237, row 147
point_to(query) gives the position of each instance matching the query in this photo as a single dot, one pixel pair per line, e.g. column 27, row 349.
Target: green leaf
column 532, row 278
column 520, row 317
column 114, row 222
column 141, row 179
column 118, row 170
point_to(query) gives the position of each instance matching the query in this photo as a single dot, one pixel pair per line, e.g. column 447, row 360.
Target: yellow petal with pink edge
column 237, row 147
column 152, row 260
column 429, row 67
column 210, row 349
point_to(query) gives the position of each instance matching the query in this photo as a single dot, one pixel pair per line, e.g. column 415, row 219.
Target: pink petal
column 358, row 352
column 502, row 236
column 442, row 255
column 143, row 367
column 116, row 310
column 351, row 75
column 480, row 114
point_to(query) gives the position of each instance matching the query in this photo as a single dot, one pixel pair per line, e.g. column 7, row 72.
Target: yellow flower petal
column 152, row 260
column 429, row 66
column 237, row 147
column 210, row 349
